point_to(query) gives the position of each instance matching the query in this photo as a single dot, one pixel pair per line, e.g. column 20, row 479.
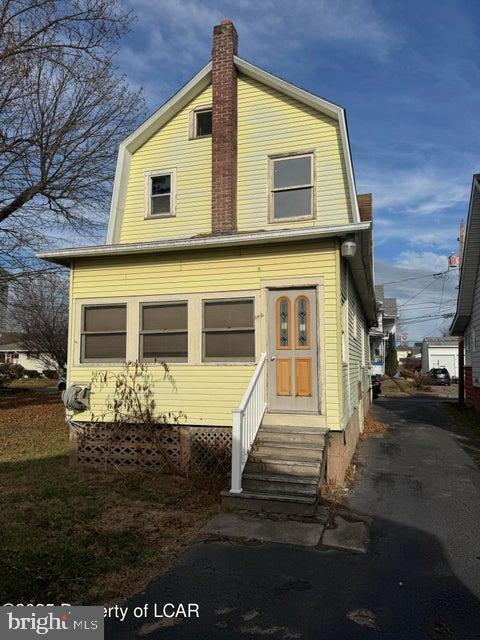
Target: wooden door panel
column 303, row 377
column 292, row 357
column 284, row 377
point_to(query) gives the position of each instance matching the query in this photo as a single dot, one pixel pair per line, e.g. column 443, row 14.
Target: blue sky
column 407, row 73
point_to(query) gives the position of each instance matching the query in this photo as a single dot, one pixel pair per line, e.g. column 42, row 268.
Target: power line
column 429, row 275
column 419, row 292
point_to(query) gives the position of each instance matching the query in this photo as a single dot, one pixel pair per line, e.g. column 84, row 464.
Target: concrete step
column 293, row 419
column 276, row 435
column 256, row 501
column 292, row 429
column 278, row 485
column 288, row 451
column 295, row 468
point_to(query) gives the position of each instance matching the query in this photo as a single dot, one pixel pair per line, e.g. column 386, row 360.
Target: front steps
column 285, row 467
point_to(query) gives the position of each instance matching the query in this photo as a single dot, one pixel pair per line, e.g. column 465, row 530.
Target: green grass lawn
column 69, row 535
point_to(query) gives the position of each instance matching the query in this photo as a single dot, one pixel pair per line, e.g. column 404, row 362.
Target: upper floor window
column 291, row 187
column 104, row 333
column 160, row 188
column 201, row 122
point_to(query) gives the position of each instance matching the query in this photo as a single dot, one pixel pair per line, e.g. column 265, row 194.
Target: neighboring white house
column 386, row 324
column 4, row 279
column 440, row 352
column 11, row 352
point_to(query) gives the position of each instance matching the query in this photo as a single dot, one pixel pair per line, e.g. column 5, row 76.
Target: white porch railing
column 246, row 421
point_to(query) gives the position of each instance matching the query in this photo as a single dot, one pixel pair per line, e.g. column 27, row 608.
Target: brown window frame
column 84, row 333
column 143, row 332
column 239, row 359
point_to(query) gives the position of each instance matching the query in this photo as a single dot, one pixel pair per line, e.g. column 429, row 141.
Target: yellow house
column 239, row 253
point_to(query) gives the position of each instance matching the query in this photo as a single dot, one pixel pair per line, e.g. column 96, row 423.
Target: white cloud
column 421, row 260
column 424, row 189
column 172, row 38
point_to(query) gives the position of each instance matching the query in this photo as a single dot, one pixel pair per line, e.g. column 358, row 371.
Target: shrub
column 391, row 360
column 422, row 381
column 51, row 374
column 7, row 374
column 17, row 371
column 32, row 373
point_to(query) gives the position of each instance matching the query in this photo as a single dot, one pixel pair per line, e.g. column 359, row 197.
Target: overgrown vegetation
column 70, row 535
column 391, row 360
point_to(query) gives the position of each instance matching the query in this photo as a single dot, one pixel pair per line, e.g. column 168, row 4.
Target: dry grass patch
column 71, row 535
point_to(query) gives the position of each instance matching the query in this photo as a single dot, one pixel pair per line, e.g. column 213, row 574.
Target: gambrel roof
column 189, row 91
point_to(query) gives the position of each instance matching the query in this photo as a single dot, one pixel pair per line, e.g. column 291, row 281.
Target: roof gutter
column 65, row 256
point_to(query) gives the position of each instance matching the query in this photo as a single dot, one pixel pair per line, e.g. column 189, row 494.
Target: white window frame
column 148, row 193
column 192, row 134
column 272, row 190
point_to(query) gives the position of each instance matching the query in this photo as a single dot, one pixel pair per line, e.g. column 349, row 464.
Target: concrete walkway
column 419, row 578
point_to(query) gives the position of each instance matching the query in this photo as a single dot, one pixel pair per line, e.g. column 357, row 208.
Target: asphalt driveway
column 419, row 579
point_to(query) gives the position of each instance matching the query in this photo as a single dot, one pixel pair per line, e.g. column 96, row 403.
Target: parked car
column 440, row 375
column 376, row 386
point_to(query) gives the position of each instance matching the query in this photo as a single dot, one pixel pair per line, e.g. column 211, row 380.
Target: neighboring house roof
column 442, row 341
column 389, row 305
column 470, row 263
column 195, row 86
column 379, row 292
column 10, row 341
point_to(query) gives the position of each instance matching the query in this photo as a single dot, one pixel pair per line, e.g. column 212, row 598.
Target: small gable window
column 292, row 190
column 201, row 123
column 160, row 191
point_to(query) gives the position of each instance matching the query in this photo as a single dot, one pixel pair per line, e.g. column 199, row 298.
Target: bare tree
column 63, row 111
column 38, row 311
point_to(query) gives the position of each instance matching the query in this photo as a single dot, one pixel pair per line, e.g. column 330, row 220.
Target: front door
column 292, row 357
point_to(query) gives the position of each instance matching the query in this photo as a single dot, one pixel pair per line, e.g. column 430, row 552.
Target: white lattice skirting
column 175, row 449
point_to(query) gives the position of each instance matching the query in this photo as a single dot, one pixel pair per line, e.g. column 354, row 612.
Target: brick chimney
column 224, row 129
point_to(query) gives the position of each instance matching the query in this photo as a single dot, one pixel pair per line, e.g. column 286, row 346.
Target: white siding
column 356, row 375
column 472, row 355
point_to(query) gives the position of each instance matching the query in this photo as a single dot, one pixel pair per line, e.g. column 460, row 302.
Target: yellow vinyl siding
column 170, row 148
column 208, row 393
column 270, row 123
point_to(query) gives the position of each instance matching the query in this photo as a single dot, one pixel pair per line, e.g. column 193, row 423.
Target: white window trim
column 271, row 191
column 192, row 124
column 148, row 193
